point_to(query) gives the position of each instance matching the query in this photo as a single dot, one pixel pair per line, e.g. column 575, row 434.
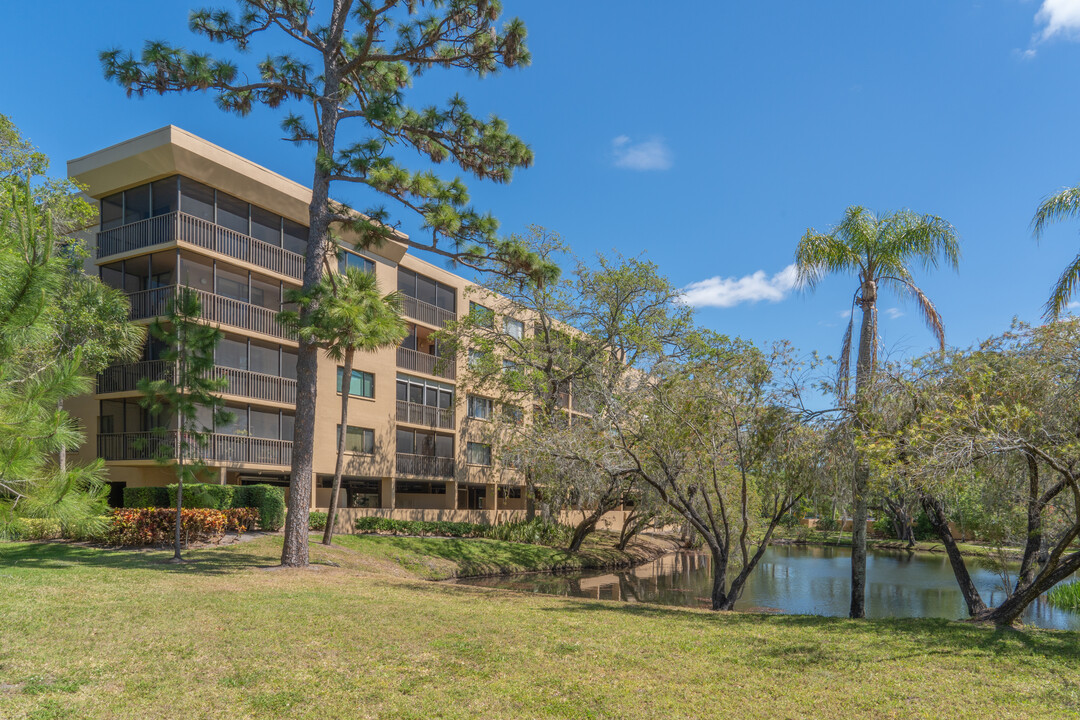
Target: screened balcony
column 220, row 448
column 243, row 383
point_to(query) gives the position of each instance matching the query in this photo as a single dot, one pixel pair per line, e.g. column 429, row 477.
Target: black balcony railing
column 418, row 414
column 422, row 362
column 245, row 383
column 179, row 226
column 215, row 308
column 425, row 312
column 230, row 449
column 424, row 465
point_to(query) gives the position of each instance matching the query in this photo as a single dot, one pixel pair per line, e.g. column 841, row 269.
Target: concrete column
column 491, row 499
column 221, row 475
column 452, row 495
column 386, row 491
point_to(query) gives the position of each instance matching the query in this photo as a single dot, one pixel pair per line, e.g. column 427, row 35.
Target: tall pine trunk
column 864, row 370
column 294, row 552
column 346, row 387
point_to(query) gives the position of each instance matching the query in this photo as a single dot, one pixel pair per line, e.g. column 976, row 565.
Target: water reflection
column 796, row 579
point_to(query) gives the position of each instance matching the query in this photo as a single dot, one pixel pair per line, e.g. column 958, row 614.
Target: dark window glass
column 409, row 343
column 361, row 385
column 136, row 273
column 231, row 353
column 416, row 394
column 232, row 284
column 296, row 237
column 164, row 196
column 358, row 440
column 264, row 358
column 432, row 397
column 196, row 199
column 406, row 282
column 196, row 273
column 264, row 424
column 444, row 446
column 133, row 417
column 238, row 425
column 113, row 275
column 265, row 226
column 266, row 294
column 351, row 260
column 446, row 399
column 425, row 289
column 232, row 213
column 405, row 442
column 478, row 454
column 287, row 427
column 402, row 390
column 136, row 204
column 288, row 364
column 425, row 444
column 112, row 417
column 112, row 211
column 446, row 298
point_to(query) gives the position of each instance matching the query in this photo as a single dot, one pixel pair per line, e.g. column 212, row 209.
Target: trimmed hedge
column 533, row 532
column 206, row 495
column 267, row 499
column 316, row 520
column 34, row 529
column 156, row 526
column 146, row 497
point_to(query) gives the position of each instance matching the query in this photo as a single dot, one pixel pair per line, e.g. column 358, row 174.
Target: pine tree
column 189, row 346
column 350, row 62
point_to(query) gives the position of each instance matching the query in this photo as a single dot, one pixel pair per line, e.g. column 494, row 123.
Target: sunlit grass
column 90, row 633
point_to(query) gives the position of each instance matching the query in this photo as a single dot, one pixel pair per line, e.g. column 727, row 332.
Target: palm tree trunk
column 346, row 387
column 864, row 370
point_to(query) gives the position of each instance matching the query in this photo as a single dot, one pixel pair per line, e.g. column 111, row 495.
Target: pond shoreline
column 937, row 548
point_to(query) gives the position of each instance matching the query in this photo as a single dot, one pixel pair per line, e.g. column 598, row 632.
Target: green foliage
column 827, row 524
column 144, row 497
column 37, row 261
column 317, row 520
column 1065, row 596
column 267, row 499
column 883, row 527
column 533, row 532
column 34, row 529
column 205, row 495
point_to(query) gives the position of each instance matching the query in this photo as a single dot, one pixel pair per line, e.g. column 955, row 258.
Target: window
column 231, row 353
column 295, row 238
column 476, row 359
column 164, row 196
column 478, row 454
column 263, row 358
column 479, row 407
column 196, row 199
column 420, row 488
column 232, row 213
column 361, row 385
column 358, row 440
column 265, row 294
column 231, row 284
column 514, row 328
column 265, row 226
column 424, row 288
column 112, row 211
column 509, row 366
column 509, row 493
column 483, row 316
column 420, row 442
column 352, row 260
column 425, row 392
column 137, row 204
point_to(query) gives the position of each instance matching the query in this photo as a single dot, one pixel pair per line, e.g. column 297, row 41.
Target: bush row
column 156, row 526
column 316, row 520
column 268, row 500
column 535, row 532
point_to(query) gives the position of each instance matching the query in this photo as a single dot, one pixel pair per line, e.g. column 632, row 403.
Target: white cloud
column 729, row 292
column 1074, row 305
column 1059, row 17
column 1028, row 54
column 651, row 154
column 845, row 314
column 894, row 313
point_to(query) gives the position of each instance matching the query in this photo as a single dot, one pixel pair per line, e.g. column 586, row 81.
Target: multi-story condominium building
column 178, row 211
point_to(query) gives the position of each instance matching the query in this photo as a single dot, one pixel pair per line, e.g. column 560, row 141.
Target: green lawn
column 87, row 633
column 443, row 558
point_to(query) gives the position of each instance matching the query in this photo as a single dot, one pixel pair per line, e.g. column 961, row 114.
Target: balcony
column 178, row 226
column 231, row 449
column 417, row 414
column 426, row 312
column 416, row 361
column 243, row 383
column 424, row 465
column 215, row 308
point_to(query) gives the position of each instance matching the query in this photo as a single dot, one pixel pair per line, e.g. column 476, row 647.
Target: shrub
column 155, row 526
column 316, row 520
column 143, row 497
column 534, row 532
column 827, row 524
column 205, row 495
column 240, row 520
column 34, row 529
column 922, row 529
column 883, row 526
column 267, row 499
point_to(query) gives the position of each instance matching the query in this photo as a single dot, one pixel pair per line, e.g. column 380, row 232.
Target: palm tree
column 349, row 315
column 879, row 252
column 1060, row 205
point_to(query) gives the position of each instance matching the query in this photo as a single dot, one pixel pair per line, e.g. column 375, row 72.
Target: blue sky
column 709, row 141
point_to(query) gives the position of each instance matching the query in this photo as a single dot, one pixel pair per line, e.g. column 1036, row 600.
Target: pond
column 798, row 579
